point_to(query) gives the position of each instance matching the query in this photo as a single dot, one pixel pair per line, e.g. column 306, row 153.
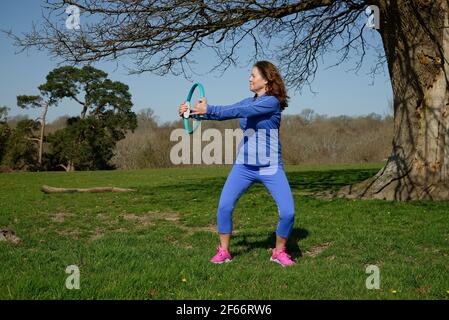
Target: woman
column 263, row 111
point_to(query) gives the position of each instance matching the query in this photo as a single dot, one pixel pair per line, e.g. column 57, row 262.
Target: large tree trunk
column 416, row 47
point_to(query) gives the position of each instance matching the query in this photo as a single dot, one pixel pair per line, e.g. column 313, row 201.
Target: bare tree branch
column 163, row 36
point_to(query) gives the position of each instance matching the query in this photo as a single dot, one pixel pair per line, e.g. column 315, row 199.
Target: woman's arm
column 202, row 117
column 244, row 109
column 210, row 116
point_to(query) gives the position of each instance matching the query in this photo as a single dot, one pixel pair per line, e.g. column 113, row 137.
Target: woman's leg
column 225, row 238
column 281, row 242
column 279, row 188
column 238, row 181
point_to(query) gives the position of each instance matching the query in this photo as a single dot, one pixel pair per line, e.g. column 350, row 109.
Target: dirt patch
column 153, row 292
column 74, row 233
column 9, row 236
column 179, row 243
column 423, row 290
column 209, row 228
column 112, row 224
column 191, row 230
column 148, row 218
column 107, row 220
column 60, row 216
column 316, row 250
column 96, row 234
column 102, row 216
column 143, row 220
column 169, row 216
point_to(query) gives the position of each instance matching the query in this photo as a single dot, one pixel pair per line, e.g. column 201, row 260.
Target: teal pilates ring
column 186, row 115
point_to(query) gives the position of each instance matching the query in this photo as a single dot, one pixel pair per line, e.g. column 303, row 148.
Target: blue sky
column 340, row 92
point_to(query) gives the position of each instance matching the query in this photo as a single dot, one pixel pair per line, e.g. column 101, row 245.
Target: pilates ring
column 186, row 114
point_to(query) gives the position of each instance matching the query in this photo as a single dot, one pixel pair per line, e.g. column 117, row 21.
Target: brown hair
column 275, row 85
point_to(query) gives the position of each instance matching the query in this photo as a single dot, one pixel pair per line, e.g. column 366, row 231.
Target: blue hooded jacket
column 260, row 120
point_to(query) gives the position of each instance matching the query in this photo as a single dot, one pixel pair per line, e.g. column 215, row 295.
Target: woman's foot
column 222, row 255
column 281, row 257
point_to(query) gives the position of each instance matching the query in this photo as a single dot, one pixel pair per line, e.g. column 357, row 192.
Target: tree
column 20, row 151
column 87, row 142
column 308, row 115
column 147, row 119
column 44, row 101
column 162, row 35
column 5, row 130
column 83, row 143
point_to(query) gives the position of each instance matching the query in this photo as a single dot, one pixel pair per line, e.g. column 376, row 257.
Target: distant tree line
column 106, row 134
column 306, row 137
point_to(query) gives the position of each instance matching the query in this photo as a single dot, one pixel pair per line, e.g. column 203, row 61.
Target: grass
column 155, row 243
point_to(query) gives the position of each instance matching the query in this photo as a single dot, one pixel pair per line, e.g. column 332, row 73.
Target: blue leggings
column 241, row 177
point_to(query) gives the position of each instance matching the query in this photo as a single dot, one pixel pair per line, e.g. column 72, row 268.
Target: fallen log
column 48, row 189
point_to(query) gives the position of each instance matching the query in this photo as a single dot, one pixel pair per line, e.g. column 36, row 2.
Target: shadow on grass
column 327, row 180
column 293, row 249
column 298, row 180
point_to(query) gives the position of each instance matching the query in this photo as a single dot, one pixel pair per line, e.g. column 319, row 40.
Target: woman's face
column 256, row 81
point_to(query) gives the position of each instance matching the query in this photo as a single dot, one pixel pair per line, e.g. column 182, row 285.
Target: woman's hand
column 182, row 108
column 200, row 107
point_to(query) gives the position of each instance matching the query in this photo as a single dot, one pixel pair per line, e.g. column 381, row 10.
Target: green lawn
column 156, row 243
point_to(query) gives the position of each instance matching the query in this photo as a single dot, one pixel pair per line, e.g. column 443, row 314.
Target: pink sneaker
column 281, row 257
column 221, row 256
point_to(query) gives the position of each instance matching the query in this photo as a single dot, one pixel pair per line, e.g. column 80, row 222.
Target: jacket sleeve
column 202, row 117
column 244, row 109
column 210, row 116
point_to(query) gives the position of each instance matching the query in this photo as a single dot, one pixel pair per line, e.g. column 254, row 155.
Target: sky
column 337, row 90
